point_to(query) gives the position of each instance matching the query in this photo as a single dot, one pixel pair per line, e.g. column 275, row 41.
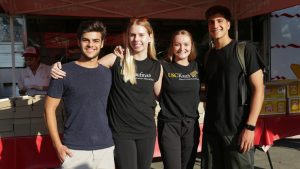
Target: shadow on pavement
column 288, row 143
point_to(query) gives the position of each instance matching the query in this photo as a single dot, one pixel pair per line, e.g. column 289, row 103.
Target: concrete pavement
column 284, row 154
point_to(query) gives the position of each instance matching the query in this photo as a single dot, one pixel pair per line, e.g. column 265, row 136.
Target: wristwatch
column 250, row 127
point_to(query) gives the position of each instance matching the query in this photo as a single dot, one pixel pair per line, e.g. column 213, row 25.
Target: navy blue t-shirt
column 84, row 92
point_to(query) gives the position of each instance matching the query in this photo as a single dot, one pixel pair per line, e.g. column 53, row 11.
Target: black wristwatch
column 249, row 127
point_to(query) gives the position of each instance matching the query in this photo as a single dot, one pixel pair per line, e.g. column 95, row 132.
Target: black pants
column 178, row 143
column 134, row 153
column 222, row 152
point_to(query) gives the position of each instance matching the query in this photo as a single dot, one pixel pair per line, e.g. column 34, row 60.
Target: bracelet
column 250, row 127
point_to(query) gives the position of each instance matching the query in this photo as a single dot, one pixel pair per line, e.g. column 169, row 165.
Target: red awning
column 166, row 9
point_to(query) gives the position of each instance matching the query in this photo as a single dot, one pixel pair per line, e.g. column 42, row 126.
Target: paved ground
column 285, row 154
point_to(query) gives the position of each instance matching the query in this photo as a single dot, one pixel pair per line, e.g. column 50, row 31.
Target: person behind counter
column 34, row 79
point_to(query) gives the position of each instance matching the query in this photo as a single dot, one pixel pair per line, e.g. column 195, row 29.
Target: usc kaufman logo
column 180, row 76
column 144, row 76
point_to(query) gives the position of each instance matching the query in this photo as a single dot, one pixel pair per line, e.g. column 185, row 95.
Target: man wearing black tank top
column 228, row 125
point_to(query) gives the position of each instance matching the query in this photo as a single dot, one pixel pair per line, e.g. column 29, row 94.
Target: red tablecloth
column 274, row 127
column 34, row 152
column 37, row 151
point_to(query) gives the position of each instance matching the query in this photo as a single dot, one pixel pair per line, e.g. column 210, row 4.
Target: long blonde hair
column 128, row 64
column 170, row 55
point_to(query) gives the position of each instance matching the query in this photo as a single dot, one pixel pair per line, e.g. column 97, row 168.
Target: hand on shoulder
column 109, row 59
column 56, row 71
column 119, row 51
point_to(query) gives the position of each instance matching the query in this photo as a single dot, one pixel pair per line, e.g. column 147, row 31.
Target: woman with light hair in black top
column 132, row 100
column 178, row 127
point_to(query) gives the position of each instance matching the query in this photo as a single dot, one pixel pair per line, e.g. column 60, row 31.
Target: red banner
column 60, row 40
column 67, row 40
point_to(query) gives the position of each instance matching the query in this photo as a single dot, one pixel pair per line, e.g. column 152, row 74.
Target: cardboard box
column 293, row 105
column 38, row 126
column 276, row 89
column 6, row 108
column 6, row 125
column 38, row 111
column 4, row 103
column 23, row 101
column 22, row 127
column 23, row 111
column 293, row 89
column 6, row 113
column 38, row 99
column 6, row 134
column 23, row 107
column 273, row 106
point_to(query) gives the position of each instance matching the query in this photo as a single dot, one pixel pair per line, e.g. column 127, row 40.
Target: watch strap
column 250, row 127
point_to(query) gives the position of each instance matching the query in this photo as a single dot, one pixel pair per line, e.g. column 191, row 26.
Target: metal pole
column 25, row 32
column 236, row 22
column 13, row 59
column 268, row 48
column 251, row 29
column 236, row 28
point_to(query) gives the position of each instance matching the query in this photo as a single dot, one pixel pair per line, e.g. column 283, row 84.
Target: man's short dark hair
column 91, row 26
column 218, row 9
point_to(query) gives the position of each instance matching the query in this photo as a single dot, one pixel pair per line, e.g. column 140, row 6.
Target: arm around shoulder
column 56, row 71
column 108, row 60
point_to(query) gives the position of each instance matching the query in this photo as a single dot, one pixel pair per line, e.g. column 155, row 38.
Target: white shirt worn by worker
column 41, row 78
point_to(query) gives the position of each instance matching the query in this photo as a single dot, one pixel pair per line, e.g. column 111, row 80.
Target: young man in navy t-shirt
column 87, row 139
